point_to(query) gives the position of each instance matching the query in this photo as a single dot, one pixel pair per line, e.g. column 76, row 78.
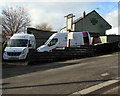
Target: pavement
column 115, row 90
column 108, row 87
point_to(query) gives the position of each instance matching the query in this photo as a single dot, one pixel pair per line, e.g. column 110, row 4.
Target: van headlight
column 23, row 51
column 37, row 49
column 5, row 52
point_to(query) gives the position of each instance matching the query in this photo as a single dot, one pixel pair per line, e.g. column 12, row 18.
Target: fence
column 35, row 57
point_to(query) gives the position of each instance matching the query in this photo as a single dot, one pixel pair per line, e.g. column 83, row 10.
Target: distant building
column 114, row 31
column 41, row 36
column 91, row 22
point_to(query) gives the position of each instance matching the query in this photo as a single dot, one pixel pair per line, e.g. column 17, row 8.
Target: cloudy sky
column 53, row 12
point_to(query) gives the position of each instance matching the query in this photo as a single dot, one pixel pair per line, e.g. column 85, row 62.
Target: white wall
column 65, row 29
column 113, row 31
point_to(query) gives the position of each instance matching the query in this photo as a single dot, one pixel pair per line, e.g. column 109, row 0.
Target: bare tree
column 44, row 26
column 14, row 19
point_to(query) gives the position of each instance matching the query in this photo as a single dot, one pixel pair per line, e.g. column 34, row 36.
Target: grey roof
column 80, row 18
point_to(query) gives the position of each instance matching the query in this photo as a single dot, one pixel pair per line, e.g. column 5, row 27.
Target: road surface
column 64, row 77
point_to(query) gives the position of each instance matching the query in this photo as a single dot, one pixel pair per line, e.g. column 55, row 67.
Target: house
column 91, row 22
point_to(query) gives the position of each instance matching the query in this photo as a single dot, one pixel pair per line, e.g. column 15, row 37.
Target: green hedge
column 4, row 44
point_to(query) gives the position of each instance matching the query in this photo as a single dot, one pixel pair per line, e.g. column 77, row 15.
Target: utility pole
column 69, row 23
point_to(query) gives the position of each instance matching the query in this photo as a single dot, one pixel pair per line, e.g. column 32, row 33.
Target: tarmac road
column 64, row 77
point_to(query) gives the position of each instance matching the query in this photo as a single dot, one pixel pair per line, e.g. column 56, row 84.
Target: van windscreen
column 17, row 43
column 53, row 42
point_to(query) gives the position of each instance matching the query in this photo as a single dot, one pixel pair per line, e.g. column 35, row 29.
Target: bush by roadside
column 4, row 44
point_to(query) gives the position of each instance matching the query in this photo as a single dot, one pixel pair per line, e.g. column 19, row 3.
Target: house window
column 94, row 21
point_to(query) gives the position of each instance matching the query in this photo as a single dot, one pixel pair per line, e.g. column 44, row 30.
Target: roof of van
column 62, row 34
column 21, row 36
column 56, row 34
column 67, row 33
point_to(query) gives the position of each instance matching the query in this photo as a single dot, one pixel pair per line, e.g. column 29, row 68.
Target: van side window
column 53, row 42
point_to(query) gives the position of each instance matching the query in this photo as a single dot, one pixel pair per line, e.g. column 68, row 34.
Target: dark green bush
column 4, row 44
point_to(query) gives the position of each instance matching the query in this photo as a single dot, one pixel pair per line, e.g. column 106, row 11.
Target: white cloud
column 53, row 13
column 113, row 31
column 112, row 18
column 2, row 1
column 39, row 16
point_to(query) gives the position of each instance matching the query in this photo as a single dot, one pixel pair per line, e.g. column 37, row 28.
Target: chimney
column 84, row 14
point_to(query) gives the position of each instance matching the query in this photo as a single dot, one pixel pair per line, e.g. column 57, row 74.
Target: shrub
column 4, row 44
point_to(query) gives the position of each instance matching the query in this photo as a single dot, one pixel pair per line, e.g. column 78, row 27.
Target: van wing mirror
column 30, row 45
column 48, row 44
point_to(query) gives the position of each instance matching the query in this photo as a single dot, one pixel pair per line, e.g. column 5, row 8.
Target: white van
column 59, row 41
column 18, row 46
